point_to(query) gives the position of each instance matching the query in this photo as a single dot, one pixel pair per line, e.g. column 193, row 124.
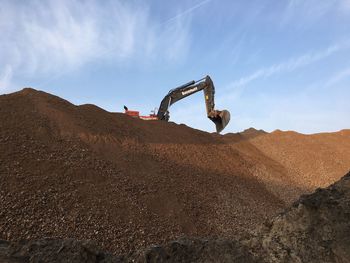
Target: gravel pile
column 80, row 172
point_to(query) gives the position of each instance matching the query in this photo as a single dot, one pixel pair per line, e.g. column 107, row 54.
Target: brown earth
column 314, row 229
column 80, row 172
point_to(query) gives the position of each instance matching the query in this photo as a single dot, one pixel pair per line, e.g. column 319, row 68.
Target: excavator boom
column 220, row 118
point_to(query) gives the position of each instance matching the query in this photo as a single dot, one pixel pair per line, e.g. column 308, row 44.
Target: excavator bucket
column 221, row 119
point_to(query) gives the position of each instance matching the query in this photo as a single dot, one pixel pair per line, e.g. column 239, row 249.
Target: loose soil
column 80, row 172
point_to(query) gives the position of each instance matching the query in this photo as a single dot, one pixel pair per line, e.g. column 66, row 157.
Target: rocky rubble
column 316, row 228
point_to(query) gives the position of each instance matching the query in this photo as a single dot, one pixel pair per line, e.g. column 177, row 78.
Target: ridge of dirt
column 315, row 160
column 81, row 172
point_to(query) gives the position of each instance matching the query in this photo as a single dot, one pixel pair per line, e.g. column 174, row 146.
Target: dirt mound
column 314, row 160
column 80, row 172
column 315, row 229
column 284, row 159
column 244, row 135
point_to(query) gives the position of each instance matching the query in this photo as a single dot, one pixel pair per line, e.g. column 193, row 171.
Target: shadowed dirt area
column 80, row 172
column 314, row 229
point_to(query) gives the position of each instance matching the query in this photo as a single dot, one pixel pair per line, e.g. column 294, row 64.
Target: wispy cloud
column 301, row 13
column 289, row 65
column 5, row 77
column 338, row 77
column 186, row 12
column 43, row 38
column 345, row 5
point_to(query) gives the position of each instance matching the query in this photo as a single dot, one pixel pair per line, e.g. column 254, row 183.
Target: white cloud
column 303, row 13
column 5, row 78
column 289, row 65
column 233, row 96
column 339, row 76
column 187, row 11
column 298, row 112
column 43, row 38
column 345, row 5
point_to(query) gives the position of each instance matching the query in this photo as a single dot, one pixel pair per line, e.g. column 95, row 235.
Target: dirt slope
column 284, row 159
column 314, row 160
column 81, row 172
column 315, row 229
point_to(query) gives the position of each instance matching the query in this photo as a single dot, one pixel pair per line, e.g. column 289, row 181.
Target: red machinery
column 136, row 114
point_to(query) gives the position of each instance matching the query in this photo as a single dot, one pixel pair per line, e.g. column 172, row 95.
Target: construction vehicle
column 220, row 118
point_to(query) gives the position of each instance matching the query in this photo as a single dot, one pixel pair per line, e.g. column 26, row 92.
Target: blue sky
column 275, row 64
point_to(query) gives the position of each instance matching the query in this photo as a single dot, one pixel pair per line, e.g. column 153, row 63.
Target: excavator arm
column 220, row 118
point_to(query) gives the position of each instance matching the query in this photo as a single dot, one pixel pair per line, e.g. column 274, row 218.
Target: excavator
column 220, row 118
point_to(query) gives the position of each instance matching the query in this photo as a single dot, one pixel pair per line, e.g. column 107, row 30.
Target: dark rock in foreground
column 53, row 250
column 195, row 250
column 68, row 250
column 315, row 229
